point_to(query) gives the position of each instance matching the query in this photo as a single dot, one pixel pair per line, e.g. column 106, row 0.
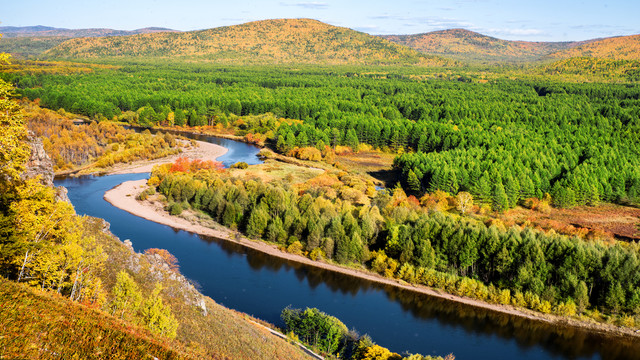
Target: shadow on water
column 560, row 341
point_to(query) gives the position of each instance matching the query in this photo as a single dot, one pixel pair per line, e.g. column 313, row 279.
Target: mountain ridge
column 306, row 41
column 273, row 41
column 467, row 45
column 49, row 31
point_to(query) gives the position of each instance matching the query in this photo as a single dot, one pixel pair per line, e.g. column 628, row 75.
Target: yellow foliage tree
column 157, row 316
column 14, row 152
column 377, row 352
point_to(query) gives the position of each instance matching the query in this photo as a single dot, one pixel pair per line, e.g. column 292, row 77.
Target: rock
column 40, row 164
column 202, row 306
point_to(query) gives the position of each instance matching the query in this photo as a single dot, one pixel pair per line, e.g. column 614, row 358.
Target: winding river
column 255, row 283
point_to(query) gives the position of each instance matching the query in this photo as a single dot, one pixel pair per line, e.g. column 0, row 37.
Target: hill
column 615, row 48
column 600, row 69
column 270, row 41
column 467, row 45
column 31, row 41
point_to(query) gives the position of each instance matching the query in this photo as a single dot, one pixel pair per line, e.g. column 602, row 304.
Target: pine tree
column 413, row 182
column 500, row 198
column 351, row 140
column 512, row 188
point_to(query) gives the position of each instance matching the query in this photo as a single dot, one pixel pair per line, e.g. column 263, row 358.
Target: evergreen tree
column 500, row 198
column 351, row 140
column 413, row 182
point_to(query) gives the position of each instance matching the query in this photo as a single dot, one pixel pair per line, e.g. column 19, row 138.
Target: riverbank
column 124, row 197
column 202, row 150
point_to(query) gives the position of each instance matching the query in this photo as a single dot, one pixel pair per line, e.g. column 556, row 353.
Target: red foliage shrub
column 166, row 256
column 185, row 165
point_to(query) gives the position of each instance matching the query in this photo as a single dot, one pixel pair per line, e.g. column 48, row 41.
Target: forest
column 502, row 140
column 391, row 234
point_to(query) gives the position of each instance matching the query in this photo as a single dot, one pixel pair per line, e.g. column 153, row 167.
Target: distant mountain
column 45, row 31
column 470, row 46
column 270, row 41
column 31, row 41
column 614, row 48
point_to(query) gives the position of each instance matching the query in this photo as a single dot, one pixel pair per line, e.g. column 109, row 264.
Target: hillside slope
column 270, row 41
column 467, row 45
column 31, row 41
column 39, row 325
column 615, row 48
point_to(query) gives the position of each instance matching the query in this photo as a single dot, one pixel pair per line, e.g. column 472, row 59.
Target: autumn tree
column 157, row 316
column 127, row 297
column 464, row 202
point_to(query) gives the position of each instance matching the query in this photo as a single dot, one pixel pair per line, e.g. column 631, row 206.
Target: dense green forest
column 503, row 141
column 395, row 237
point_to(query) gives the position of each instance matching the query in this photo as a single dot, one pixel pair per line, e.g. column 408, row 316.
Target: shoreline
column 124, row 196
column 204, row 151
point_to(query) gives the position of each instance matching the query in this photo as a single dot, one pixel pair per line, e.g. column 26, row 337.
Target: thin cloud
column 314, row 5
column 425, row 21
column 369, row 29
column 516, row 32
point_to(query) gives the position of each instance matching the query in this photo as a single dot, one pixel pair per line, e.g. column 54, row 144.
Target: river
column 249, row 281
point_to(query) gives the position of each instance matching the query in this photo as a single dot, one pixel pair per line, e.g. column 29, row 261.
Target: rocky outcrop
column 40, row 164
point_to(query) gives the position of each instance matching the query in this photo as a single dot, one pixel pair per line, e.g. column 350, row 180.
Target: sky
column 541, row 20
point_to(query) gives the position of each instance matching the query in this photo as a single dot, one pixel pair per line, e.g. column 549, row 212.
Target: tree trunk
column 24, row 263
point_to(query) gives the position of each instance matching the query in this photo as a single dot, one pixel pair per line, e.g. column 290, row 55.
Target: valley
column 471, row 180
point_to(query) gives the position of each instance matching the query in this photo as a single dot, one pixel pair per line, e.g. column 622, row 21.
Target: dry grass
column 374, row 165
column 39, row 325
column 605, row 221
column 273, row 170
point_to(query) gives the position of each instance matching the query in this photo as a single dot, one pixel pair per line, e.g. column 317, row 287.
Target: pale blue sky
column 542, row 20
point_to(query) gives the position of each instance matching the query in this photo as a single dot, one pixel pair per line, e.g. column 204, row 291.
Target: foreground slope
column 467, row 45
column 46, row 325
column 272, row 41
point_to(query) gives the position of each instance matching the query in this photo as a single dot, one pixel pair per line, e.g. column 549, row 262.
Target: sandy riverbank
column 124, row 197
column 203, row 151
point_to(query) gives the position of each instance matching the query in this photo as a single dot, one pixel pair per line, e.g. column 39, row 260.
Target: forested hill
column 614, row 48
column 47, row 31
column 467, row 45
column 268, row 41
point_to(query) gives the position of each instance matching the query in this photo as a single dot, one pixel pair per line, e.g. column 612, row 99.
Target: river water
column 257, row 284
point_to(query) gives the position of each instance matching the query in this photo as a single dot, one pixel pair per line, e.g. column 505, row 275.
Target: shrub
column 295, row 248
column 175, row 209
column 239, row 165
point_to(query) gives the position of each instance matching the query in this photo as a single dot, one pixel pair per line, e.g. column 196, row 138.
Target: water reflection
column 560, row 341
column 237, row 151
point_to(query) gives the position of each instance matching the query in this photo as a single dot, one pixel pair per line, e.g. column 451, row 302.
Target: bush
column 175, row 209
column 295, row 248
column 239, row 165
